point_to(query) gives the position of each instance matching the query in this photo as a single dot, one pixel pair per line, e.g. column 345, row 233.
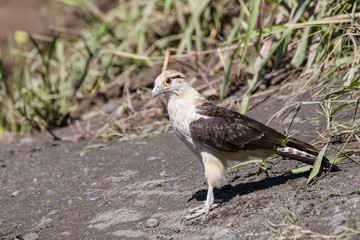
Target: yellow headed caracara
column 218, row 135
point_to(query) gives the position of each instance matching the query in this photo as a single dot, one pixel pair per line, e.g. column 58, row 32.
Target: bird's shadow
column 228, row 192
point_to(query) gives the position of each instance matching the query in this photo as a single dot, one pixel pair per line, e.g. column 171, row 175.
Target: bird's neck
column 186, row 96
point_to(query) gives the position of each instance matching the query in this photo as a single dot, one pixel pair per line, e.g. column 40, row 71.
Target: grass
column 319, row 41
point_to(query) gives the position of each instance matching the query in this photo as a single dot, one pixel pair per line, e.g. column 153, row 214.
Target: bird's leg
column 205, row 208
column 209, row 199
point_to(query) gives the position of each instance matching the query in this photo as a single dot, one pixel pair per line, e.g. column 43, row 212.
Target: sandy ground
column 141, row 190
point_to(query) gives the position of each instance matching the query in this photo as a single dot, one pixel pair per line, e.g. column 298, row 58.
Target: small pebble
column 336, row 220
column 93, row 199
column 49, row 192
column 26, row 140
column 339, row 229
column 147, row 185
column 31, row 236
column 15, row 193
column 152, row 158
column 152, row 222
column 130, row 173
column 38, row 211
column 70, row 202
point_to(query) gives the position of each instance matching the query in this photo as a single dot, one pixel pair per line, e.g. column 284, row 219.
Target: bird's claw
column 200, row 210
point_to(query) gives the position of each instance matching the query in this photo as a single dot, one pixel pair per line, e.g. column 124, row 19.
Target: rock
column 152, row 158
column 14, row 194
column 152, row 222
column 130, row 173
column 339, row 229
column 336, row 220
column 31, row 236
column 38, row 211
column 147, row 185
column 49, row 192
column 27, row 140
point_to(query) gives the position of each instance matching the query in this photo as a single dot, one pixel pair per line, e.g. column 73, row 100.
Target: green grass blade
column 356, row 109
column 252, row 20
column 253, row 161
column 227, row 73
column 299, row 170
column 299, row 56
column 317, row 164
column 335, row 158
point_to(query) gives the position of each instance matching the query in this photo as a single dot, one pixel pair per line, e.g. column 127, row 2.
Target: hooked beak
column 156, row 91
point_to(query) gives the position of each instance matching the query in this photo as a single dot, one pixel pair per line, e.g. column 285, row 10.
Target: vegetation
column 316, row 42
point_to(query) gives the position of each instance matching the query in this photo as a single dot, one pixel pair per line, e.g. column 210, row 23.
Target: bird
column 219, row 136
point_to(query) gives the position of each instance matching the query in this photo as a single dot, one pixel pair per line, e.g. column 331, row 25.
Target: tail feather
column 305, row 153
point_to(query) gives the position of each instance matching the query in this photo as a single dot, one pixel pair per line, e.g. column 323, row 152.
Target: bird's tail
column 305, row 153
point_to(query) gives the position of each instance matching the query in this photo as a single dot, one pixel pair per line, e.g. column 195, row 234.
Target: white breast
column 182, row 111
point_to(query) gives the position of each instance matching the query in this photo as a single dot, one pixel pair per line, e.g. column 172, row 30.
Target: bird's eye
column 168, row 81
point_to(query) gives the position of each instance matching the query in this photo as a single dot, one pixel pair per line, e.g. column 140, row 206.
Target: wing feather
column 227, row 130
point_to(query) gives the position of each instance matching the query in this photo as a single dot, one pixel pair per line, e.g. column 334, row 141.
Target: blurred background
column 68, row 60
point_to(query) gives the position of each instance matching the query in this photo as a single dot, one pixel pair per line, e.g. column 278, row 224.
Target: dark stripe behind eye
column 177, row 76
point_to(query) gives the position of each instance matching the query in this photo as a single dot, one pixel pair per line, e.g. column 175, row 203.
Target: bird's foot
column 202, row 209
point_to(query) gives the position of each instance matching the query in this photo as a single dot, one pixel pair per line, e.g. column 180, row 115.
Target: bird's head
column 169, row 82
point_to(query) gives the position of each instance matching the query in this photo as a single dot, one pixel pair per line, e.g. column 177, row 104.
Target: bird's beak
column 156, row 91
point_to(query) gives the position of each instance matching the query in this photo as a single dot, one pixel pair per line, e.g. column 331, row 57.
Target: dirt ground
column 142, row 189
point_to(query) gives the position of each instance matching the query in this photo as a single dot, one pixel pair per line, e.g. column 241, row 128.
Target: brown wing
column 227, row 130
